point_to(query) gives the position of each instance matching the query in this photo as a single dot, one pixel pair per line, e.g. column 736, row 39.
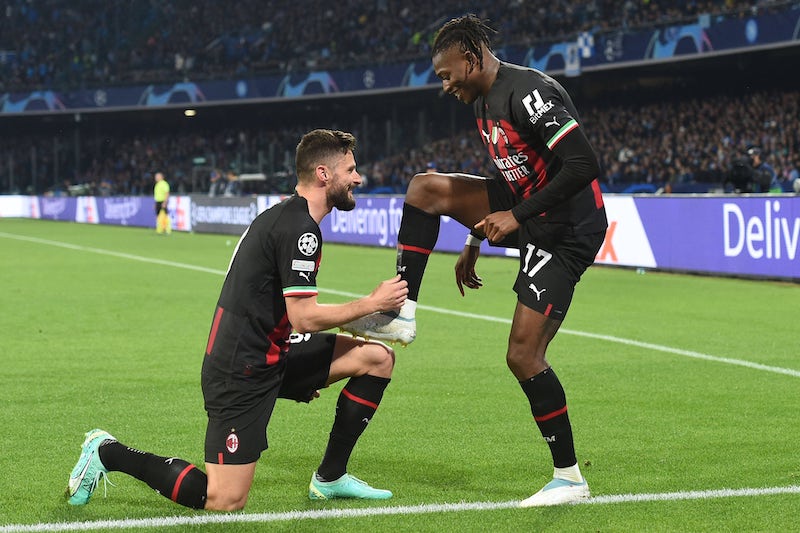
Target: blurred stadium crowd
column 689, row 147
column 683, row 145
column 52, row 44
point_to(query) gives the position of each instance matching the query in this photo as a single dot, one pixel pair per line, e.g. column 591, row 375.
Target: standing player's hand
column 465, row 269
column 389, row 295
column 496, row 226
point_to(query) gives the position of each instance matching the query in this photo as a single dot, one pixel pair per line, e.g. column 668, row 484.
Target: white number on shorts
column 544, row 257
column 296, row 338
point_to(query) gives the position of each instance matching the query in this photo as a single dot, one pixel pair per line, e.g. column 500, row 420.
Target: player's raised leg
column 430, row 195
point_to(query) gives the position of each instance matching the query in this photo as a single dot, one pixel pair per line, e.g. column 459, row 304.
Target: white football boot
column 558, row 492
column 388, row 327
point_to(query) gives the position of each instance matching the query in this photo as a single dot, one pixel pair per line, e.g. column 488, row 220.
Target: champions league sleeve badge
column 307, row 244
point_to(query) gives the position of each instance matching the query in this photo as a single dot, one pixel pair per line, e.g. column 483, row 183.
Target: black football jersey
column 277, row 256
column 521, row 121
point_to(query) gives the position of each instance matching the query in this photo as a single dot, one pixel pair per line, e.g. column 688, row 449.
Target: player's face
column 453, row 67
column 342, row 182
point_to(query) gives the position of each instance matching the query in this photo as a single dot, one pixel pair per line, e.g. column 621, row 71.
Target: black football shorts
column 240, row 438
column 551, row 262
column 552, row 259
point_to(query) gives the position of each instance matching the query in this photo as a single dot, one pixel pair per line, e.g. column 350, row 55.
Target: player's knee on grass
column 225, row 500
column 228, row 486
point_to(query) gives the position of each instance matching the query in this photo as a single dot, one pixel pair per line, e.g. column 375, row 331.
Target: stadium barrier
column 739, row 235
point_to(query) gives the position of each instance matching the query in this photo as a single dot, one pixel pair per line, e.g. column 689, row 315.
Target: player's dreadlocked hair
column 468, row 32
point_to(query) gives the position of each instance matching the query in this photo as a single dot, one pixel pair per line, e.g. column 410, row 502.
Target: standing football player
column 545, row 201
column 251, row 359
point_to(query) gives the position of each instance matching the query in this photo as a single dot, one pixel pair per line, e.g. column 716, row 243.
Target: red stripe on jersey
column 214, row 327
column 598, row 194
column 548, row 416
column 407, row 248
column 273, row 354
column 362, row 401
column 219, row 458
column 278, row 338
column 178, row 482
column 548, row 310
column 539, row 178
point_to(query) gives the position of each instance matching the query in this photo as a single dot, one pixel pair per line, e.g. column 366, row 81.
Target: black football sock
column 357, row 403
column 171, row 477
column 415, row 241
column 549, row 408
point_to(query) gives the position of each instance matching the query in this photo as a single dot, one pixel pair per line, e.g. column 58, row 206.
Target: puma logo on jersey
column 537, row 291
column 553, row 122
column 305, row 276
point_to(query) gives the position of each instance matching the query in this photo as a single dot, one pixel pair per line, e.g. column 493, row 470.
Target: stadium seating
column 650, row 146
column 55, row 44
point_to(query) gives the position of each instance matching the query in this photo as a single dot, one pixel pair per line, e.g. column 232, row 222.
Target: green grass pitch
column 678, row 387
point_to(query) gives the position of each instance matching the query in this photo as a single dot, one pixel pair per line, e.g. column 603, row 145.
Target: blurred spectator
column 216, row 183
column 791, row 175
column 764, row 176
column 638, row 143
column 232, row 186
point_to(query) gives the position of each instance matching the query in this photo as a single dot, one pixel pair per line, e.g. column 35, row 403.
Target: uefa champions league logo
column 307, row 244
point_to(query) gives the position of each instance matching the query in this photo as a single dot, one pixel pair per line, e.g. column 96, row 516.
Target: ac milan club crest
column 232, row 443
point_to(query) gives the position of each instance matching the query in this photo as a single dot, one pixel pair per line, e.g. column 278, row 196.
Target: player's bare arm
column 307, row 315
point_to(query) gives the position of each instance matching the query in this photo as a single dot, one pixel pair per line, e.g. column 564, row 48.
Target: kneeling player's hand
column 390, row 294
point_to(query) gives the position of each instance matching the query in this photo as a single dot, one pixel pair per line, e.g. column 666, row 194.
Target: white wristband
column 473, row 241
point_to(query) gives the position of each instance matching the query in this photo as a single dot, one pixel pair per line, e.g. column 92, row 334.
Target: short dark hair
column 468, row 32
column 318, row 147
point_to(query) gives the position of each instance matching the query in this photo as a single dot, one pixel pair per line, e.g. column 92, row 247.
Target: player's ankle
column 409, row 309
column 570, row 473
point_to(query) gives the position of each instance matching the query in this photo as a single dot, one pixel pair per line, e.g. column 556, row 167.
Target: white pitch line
column 401, row 510
column 241, row 518
column 112, row 253
column 610, row 338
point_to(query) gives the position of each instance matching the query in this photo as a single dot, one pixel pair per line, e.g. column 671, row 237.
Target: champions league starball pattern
column 307, row 244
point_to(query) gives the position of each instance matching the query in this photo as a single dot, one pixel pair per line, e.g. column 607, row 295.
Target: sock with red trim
column 415, row 241
column 357, row 403
column 171, row 477
column 549, row 408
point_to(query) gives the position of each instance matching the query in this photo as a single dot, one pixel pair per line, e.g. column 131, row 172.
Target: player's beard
column 341, row 198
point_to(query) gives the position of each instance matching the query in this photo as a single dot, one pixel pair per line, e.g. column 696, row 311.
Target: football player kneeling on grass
column 252, row 357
